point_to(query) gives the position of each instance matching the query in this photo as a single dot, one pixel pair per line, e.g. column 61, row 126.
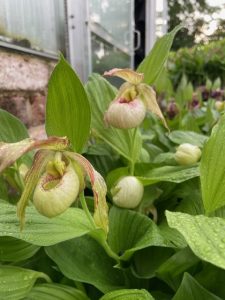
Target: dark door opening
column 139, row 17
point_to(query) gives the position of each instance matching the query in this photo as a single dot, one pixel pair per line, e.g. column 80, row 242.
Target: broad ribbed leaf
column 83, row 259
column 130, row 231
column 145, row 262
column 212, row 278
column 212, row 169
column 101, row 93
column 128, row 295
column 148, row 175
column 205, row 236
column 192, row 290
column 11, row 129
column 12, row 250
column 54, row 291
column 15, row 283
column 40, row 230
column 191, row 137
column 171, row 271
column 191, row 197
column 67, row 109
column 115, row 175
column 175, row 238
column 152, row 65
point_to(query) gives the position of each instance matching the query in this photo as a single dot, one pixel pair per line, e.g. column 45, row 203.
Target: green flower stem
column 18, row 178
column 20, row 181
column 132, row 168
column 109, row 251
column 132, row 163
column 101, row 239
column 86, row 210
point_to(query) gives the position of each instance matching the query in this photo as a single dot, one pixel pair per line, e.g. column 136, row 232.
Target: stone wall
column 23, row 86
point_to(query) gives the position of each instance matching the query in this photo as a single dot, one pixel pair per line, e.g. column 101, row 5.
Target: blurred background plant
column 191, row 87
column 199, row 63
column 204, row 21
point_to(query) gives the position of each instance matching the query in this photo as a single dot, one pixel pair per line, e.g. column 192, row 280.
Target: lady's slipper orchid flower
column 55, row 178
column 134, row 99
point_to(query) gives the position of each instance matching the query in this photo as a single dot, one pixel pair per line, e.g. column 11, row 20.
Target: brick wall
column 23, row 86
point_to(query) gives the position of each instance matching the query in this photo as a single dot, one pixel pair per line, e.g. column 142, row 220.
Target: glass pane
column 161, row 18
column 106, row 57
column 33, row 24
column 113, row 19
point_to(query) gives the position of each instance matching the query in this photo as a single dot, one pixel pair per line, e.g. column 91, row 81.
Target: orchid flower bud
column 172, row 110
column 125, row 114
column 187, row 154
column 219, row 105
column 128, row 192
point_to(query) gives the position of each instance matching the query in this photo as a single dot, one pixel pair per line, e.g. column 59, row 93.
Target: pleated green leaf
column 11, row 129
column 192, row 290
column 15, row 283
column 191, row 137
column 212, row 278
column 205, row 236
column 40, row 230
column 128, row 295
column 83, row 259
column 115, row 175
column 148, row 175
column 101, row 93
column 145, row 262
column 67, row 109
column 212, row 169
column 54, row 291
column 13, row 250
column 153, row 64
column 171, row 271
column 130, row 231
column 175, row 238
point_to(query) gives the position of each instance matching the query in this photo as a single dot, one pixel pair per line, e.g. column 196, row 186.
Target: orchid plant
column 112, row 204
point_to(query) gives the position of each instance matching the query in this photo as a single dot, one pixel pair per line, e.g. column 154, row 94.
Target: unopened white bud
column 187, row 154
column 219, row 105
column 125, row 114
column 128, row 192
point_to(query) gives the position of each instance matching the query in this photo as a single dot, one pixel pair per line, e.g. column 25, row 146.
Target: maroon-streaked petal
column 101, row 207
column 41, row 159
column 52, row 143
column 99, row 190
column 10, row 152
column 148, row 95
column 126, row 74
